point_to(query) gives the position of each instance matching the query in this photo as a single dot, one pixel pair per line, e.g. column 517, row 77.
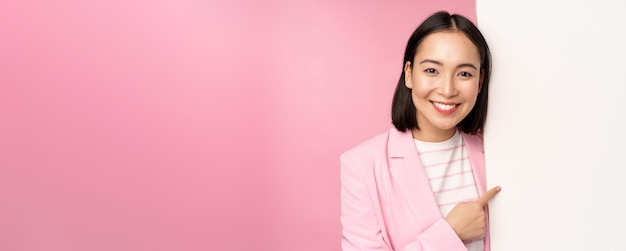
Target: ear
column 408, row 77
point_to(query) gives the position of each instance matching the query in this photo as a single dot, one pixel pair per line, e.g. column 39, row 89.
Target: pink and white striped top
column 449, row 170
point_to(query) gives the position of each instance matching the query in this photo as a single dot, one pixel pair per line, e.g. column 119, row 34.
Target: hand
column 468, row 218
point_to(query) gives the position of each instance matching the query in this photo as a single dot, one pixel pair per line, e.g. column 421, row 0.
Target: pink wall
column 187, row 125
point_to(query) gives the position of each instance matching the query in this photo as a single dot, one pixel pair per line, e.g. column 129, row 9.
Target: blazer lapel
column 408, row 173
column 476, row 155
column 475, row 149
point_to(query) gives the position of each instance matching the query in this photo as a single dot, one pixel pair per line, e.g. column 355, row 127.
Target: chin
column 446, row 127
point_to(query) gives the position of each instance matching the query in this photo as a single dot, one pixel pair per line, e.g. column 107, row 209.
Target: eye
column 430, row 71
column 465, row 74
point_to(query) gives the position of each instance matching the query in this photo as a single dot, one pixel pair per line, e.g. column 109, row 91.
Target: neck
column 432, row 135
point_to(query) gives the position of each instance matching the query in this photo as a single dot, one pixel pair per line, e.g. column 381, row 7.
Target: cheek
column 471, row 91
column 471, row 99
column 419, row 95
column 420, row 90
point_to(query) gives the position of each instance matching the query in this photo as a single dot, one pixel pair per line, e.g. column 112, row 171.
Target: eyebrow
column 458, row 66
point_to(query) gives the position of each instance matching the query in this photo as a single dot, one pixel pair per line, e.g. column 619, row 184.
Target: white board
column 555, row 138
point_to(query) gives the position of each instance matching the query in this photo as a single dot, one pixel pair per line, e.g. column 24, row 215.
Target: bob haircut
column 403, row 113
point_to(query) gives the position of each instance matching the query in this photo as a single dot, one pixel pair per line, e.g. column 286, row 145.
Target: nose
column 447, row 88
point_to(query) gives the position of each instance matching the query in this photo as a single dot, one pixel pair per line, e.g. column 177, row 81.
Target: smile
column 445, row 108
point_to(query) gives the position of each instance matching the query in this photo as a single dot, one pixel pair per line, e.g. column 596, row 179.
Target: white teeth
column 444, row 106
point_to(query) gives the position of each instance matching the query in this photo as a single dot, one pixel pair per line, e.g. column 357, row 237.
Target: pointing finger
column 483, row 200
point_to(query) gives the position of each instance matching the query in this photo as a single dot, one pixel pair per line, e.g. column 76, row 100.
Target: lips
column 445, row 108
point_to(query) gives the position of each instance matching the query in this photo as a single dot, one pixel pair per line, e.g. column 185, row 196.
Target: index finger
column 483, row 200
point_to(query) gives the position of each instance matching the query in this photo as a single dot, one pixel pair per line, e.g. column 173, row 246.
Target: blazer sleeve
column 361, row 229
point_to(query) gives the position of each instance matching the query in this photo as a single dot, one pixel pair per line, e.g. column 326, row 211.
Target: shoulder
column 371, row 147
column 376, row 151
column 359, row 163
column 365, row 157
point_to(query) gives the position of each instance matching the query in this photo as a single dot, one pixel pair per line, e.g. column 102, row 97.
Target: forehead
column 447, row 46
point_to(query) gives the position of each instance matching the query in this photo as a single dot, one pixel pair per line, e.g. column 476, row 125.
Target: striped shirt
column 449, row 170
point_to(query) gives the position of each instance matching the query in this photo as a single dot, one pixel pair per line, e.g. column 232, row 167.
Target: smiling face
column 445, row 79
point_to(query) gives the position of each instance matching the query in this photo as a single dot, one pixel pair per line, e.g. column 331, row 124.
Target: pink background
column 190, row 125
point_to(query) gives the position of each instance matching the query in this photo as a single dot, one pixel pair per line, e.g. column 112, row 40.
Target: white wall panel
column 555, row 138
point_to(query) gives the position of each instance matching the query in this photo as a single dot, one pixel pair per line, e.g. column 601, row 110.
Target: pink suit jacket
column 386, row 199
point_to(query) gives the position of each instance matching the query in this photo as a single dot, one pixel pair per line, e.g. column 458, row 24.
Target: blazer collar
column 475, row 150
column 408, row 173
column 401, row 143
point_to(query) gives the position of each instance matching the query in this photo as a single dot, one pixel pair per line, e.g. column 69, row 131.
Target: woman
column 420, row 186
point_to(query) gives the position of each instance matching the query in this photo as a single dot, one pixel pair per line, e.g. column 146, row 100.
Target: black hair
column 403, row 113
